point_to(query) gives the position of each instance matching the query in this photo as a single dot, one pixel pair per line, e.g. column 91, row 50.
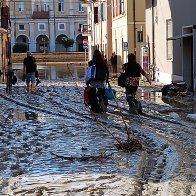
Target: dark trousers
column 134, row 105
column 98, row 100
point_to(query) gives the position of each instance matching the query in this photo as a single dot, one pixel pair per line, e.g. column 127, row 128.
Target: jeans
column 30, row 77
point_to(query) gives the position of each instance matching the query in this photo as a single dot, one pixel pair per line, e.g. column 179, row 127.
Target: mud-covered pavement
column 45, row 137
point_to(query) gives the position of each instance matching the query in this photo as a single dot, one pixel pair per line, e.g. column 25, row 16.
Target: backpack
column 122, row 79
column 90, row 72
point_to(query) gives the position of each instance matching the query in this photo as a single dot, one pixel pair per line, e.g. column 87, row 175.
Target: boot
column 131, row 101
column 28, row 87
column 32, row 87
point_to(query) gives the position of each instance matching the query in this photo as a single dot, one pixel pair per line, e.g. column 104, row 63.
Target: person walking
column 97, row 98
column 113, row 60
column 133, row 72
column 29, row 70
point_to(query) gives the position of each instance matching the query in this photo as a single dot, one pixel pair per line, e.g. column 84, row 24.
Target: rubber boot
column 135, row 106
column 131, row 101
column 32, row 87
column 28, row 87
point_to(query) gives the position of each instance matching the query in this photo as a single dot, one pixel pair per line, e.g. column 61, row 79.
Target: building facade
column 41, row 24
column 114, row 25
column 170, row 30
column 5, row 49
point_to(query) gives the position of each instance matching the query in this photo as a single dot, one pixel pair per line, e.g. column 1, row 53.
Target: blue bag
column 110, row 93
column 90, row 73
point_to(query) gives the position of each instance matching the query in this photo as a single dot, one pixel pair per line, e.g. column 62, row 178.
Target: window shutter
column 169, row 42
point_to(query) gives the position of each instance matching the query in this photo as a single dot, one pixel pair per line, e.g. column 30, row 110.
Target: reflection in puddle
column 26, row 115
column 38, row 117
column 150, row 96
column 31, row 116
column 55, row 72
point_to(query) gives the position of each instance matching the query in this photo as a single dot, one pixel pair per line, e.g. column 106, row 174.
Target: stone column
column 71, row 24
column 32, row 41
column 52, row 36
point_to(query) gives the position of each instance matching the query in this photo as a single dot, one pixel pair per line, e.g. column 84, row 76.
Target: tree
column 20, row 48
column 66, row 42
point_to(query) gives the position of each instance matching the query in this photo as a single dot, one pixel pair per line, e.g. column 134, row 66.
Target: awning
column 180, row 36
column 2, row 30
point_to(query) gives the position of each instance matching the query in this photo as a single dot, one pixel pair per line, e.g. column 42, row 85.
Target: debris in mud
column 99, row 157
column 131, row 145
column 175, row 88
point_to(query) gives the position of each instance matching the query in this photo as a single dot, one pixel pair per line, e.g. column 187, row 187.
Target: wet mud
column 52, row 145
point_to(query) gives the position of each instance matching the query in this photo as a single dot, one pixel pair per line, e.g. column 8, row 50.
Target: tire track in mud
column 159, row 157
column 156, row 159
column 174, row 152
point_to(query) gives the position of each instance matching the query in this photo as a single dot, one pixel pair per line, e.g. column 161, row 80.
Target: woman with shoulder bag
column 133, row 71
column 97, row 98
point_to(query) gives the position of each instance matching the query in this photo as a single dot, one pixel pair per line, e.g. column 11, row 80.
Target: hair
column 98, row 58
column 131, row 58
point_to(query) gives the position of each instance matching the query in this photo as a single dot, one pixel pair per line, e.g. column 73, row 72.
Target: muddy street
column 52, row 145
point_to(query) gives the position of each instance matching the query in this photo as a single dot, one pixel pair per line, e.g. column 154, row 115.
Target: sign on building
column 125, row 46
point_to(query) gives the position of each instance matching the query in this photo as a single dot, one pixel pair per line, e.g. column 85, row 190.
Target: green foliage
column 20, row 48
column 66, row 42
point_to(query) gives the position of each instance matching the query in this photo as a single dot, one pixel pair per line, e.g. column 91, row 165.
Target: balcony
column 40, row 15
column 86, row 30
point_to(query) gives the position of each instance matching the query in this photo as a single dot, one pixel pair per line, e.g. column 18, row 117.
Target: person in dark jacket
column 29, row 70
column 133, row 71
column 97, row 99
column 113, row 60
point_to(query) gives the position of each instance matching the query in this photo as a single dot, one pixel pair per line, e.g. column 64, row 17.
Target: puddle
column 55, row 72
column 25, row 115
column 151, row 96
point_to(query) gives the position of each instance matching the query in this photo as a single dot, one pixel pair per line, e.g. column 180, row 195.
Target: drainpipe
column 153, row 44
column 134, row 27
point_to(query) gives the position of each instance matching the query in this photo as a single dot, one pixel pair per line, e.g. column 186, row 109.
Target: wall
column 51, row 57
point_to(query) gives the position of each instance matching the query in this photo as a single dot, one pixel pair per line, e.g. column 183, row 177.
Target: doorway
column 188, row 67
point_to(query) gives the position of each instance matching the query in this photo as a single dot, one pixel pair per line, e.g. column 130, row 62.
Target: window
column 61, row 26
column 95, row 14
column 21, row 27
column 37, row 8
column 122, row 7
column 118, row 7
column 61, row 6
column 103, row 11
column 80, row 27
column 21, row 6
column 113, row 7
column 169, row 44
column 80, row 8
column 41, row 26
